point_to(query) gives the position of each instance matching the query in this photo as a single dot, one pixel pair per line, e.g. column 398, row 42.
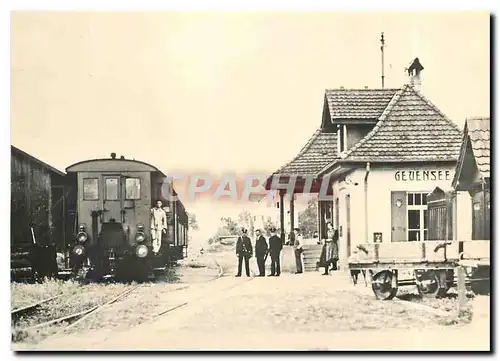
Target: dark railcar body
column 36, row 230
column 113, row 206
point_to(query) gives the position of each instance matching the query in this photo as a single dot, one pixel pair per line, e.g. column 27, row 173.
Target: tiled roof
column 478, row 131
column 357, row 103
column 410, row 129
column 317, row 153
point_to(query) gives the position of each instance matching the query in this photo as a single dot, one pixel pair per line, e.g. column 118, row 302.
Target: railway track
column 67, row 323
column 70, row 319
column 30, row 309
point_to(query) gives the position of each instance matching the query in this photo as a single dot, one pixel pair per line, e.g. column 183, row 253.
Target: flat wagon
column 430, row 265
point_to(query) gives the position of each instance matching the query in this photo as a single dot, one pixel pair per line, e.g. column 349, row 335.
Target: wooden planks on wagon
column 476, row 250
column 422, row 252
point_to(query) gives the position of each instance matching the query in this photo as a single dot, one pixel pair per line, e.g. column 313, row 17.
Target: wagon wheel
column 428, row 285
column 382, row 285
column 480, row 281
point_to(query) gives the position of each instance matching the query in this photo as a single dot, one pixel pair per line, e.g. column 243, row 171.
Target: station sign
column 422, row 175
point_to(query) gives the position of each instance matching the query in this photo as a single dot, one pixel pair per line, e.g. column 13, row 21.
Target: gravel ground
column 280, row 305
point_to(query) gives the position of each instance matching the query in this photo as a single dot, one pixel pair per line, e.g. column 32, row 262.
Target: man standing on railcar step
column 244, row 251
column 261, row 251
column 275, row 247
column 158, row 225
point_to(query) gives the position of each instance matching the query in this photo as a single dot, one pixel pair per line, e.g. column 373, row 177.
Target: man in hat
column 244, row 251
column 261, row 251
column 275, row 247
column 158, row 225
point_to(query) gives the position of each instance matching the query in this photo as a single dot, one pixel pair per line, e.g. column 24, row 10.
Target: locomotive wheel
column 382, row 285
column 480, row 281
column 428, row 285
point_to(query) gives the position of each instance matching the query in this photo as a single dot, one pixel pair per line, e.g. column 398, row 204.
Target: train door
column 112, row 201
column 131, row 195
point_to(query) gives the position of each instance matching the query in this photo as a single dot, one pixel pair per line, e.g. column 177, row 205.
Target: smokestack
column 414, row 71
column 113, row 155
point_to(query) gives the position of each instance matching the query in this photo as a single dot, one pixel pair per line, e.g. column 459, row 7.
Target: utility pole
column 382, row 41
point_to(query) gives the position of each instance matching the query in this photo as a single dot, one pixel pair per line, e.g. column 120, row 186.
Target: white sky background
column 221, row 92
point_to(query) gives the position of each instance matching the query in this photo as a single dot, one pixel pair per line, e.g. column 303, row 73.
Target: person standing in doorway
column 297, row 246
column 158, row 225
column 331, row 249
column 275, row 247
column 261, row 251
column 244, row 252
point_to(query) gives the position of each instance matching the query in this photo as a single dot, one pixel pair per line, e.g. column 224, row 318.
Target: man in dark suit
column 244, row 251
column 261, row 251
column 275, row 247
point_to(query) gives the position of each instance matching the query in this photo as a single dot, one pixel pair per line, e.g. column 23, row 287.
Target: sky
column 220, row 92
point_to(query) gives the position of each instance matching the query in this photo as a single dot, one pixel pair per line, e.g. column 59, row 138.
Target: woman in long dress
column 330, row 252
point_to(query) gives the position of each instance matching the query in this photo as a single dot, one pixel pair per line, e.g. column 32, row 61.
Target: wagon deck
column 431, row 265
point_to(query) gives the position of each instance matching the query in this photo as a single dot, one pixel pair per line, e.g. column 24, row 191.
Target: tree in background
column 268, row 224
column 193, row 222
column 308, row 219
column 228, row 227
column 245, row 219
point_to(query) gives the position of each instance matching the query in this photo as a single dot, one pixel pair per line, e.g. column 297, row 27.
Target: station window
column 417, row 216
column 112, row 189
column 90, row 189
column 132, row 188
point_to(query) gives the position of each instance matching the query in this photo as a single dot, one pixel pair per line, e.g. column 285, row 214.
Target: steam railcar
column 112, row 229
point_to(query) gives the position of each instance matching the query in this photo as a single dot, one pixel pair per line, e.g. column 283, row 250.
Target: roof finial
column 382, row 41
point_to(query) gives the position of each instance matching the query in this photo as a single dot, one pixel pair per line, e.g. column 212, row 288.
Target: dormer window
column 341, row 138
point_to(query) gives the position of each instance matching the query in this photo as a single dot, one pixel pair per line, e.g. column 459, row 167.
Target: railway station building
column 378, row 153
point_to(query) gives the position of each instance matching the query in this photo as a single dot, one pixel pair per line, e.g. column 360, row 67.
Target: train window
column 111, row 189
column 132, row 188
column 90, row 189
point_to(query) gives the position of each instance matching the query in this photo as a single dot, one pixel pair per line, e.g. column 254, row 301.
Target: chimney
column 414, row 71
column 113, row 155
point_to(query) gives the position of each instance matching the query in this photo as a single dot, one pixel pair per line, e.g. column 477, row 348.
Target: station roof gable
column 356, row 104
column 478, row 132
column 410, row 129
column 476, row 142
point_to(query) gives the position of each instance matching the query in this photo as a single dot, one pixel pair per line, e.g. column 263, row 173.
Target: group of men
column 263, row 249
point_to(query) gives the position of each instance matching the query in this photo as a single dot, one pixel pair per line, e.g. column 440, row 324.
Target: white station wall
column 381, row 182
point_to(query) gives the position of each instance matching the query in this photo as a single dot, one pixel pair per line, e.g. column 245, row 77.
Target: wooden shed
column 38, row 214
column 473, row 173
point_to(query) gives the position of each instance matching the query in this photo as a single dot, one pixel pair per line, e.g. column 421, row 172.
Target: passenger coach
column 112, row 230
